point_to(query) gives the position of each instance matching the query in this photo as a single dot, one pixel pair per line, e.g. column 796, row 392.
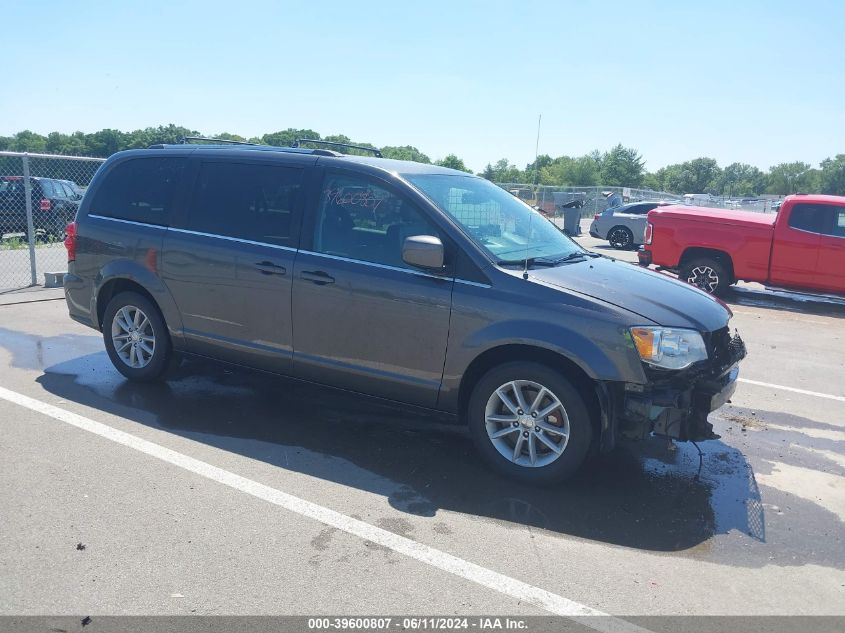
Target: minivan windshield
column 504, row 226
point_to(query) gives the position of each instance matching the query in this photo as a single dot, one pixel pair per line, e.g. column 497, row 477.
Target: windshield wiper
column 545, row 261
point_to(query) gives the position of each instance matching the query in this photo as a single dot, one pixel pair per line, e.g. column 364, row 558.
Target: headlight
column 669, row 348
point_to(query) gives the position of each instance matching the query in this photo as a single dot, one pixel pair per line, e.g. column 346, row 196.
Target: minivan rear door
column 362, row 318
column 229, row 263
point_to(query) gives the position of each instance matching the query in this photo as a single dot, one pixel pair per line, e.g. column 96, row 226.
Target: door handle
column 317, row 276
column 269, row 268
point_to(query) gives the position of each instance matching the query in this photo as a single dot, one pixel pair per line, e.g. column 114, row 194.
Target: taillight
column 70, row 241
column 46, row 205
column 649, row 232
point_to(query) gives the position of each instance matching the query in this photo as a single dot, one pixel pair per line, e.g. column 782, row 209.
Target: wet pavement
column 757, row 516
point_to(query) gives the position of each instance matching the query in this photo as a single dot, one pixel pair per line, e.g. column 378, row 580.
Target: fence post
column 30, row 225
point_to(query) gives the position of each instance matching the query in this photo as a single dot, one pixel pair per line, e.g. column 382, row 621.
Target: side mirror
column 423, row 251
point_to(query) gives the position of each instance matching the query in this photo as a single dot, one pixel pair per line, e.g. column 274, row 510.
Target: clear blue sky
column 756, row 82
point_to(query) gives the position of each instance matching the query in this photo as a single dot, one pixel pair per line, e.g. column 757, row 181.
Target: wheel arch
column 499, row 355
column 114, row 287
column 696, row 252
column 121, row 276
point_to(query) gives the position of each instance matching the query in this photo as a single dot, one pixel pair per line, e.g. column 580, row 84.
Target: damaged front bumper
column 676, row 404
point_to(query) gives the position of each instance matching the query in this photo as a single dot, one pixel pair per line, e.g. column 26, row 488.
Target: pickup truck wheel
column 529, row 423
column 136, row 337
column 707, row 274
column 620, row 237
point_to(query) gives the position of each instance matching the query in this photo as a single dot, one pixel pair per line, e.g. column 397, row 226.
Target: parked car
column 76, row 192
column 54, row 204
column 415, row 283
column 802, row 247
column 623, row 226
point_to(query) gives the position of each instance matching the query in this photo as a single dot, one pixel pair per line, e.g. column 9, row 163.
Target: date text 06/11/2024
column 479, row 623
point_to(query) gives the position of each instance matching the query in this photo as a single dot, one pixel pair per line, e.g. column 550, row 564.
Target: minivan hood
column 654, row 296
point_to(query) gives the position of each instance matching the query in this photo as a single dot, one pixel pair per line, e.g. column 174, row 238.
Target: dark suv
column 54, row 204
column 415, row 283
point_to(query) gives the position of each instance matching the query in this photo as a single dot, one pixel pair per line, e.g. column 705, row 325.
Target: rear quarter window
column 140, row 190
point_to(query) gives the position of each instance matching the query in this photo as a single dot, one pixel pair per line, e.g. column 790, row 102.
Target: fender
column 144, row 277
column 605, row 355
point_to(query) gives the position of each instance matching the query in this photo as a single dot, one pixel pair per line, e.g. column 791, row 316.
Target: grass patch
column 13, row 244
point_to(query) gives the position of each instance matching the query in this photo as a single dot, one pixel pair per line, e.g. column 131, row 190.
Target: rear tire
column 136, row 337
column 553, row 430
column 707, row 274
column 620, row 238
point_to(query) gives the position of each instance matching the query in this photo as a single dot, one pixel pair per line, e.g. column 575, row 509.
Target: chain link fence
column 591, row 200
column 39, row 195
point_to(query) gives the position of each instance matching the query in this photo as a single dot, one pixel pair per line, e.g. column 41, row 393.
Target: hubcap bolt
column 515, row 424
column 525, row 434
column 520, row 412
column 534, row 414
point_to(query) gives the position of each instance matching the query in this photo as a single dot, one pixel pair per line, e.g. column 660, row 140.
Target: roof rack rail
column 298, row 142
column 184, row 140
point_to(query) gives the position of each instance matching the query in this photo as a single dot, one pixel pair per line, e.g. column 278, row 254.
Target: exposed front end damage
column 676, row 404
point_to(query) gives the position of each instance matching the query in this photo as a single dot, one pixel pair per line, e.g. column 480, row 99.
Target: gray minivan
column 414, row 283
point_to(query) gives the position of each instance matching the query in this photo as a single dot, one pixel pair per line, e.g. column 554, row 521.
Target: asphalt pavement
column 225, row 491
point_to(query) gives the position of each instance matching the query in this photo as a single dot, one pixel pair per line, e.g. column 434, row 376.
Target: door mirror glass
column 423, row 251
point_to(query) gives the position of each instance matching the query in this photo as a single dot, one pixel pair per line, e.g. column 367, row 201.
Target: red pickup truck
column 800, row 248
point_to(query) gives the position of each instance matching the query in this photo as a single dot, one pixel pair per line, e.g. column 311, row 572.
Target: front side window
column 508, row 229
column 247, row 201
column 140, row 190
column 809, row 217
column 359, row 219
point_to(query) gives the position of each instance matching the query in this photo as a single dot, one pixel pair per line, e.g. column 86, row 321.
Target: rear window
column 141, row 190
column 47, row 188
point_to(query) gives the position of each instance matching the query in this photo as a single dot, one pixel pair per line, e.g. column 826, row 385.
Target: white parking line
column 793, row 389
column 506, row 585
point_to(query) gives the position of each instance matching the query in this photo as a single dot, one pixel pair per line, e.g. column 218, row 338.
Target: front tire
column 621, row 238
column 136, row 337
column 706, row 273
column 529, row 423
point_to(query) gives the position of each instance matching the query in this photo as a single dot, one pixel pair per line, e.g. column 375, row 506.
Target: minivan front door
column 362, row 318
column 229, row 267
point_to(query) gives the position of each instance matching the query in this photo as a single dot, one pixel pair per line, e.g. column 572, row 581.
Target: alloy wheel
column 527, row 423
column 704, row 277
column 133, row 337
column 619, row 238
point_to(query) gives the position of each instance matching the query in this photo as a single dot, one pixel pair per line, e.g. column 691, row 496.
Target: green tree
column 740, row 179
column 651, row 181
column 832, row 176
column 28, row 141
column 453, row 162
column 622, row 167
column 286, row 138
column 504, row 171
column 786, row 178
column 404, row 152
column 700, row 175
column 567, row 171
column 106, row 142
